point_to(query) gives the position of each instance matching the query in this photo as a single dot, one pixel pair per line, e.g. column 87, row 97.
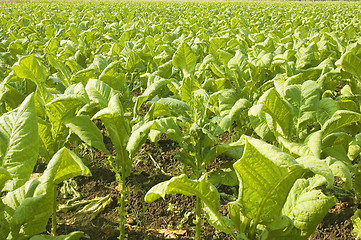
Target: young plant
column 188, row 121
column 113, row 106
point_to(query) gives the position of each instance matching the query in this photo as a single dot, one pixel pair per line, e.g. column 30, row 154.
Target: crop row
column 283, row 80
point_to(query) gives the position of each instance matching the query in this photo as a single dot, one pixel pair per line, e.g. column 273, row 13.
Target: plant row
column 282, row 80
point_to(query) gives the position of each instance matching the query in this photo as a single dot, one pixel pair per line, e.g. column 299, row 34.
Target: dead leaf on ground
column 169, row 234
column 35, row 175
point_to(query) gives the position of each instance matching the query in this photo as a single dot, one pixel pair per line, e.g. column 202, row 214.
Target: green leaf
column 340, row 119
column 63, row 107
column 350, row 62
column 200, row 188
column 260, row 121
column 4, row 176
column 138, row 137
column 267, row 175
column 326, row 108
column 65, row 164
column 225, row 175
column 61, row 67
column 317, row 166
column 305, row 207
column 177, row 107
column 99, row 92
column 87, row 131
column 356, row 222
column 10, row 95
column 28, row 208
column 29, row 67
column 304, row 98
column 235, row 113
column 117, row 125
column 299, row 149
column 19, row 143
column 184, row 58
column 189, row 85
column 341, row 170
column 279, row 110
column 152, row 90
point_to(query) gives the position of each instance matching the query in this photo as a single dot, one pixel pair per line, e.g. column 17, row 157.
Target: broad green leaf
column 19, row 142
column 234, row 113
column 10, row 95
column 153, row 90
column 279, row 111
column 299, row 149
column 28, row 208
column 29, row 67
column 267, row 175
column 61, row 67
column 184, row 58
column 86, row 130
column 113, row 77
column 340, row 119
column 65, row 164
column 189, row 85
column 167, row 125
column 305, row 207
column 62, row 107
column 47, row 142
column 138, row 137
column 117, row 125
column 99, row 92
column 341, row 170
column 350, row 62
column 304, row 98
column 326, row 108
column 71, row 236
column 354, row 148
column 170, row 127
column 238, row 62
column 225, row 175
column 317, row 166
column 260, row 121
column 176, row 106
column 200, row 188
column 83, row 76
column 157, row 110
column 314, row 142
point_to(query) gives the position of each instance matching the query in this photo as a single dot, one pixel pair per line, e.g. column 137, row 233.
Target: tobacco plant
column 27, row 204
column 187, row 120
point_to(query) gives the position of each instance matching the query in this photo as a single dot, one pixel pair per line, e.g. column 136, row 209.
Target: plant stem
column 198, row 219
column 122, row 212
column 53, row 218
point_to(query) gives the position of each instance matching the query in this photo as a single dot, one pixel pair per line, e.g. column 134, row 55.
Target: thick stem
column 53, row 218
column 122, row 202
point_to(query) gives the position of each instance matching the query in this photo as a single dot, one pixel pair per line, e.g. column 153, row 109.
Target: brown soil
column 171, row 218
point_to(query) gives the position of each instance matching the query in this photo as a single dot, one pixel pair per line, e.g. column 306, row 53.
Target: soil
column 171, row 218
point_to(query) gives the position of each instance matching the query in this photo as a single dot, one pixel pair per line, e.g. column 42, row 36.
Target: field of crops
column 180, row 120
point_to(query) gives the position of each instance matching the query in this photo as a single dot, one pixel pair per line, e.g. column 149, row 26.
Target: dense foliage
column 281, row 79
